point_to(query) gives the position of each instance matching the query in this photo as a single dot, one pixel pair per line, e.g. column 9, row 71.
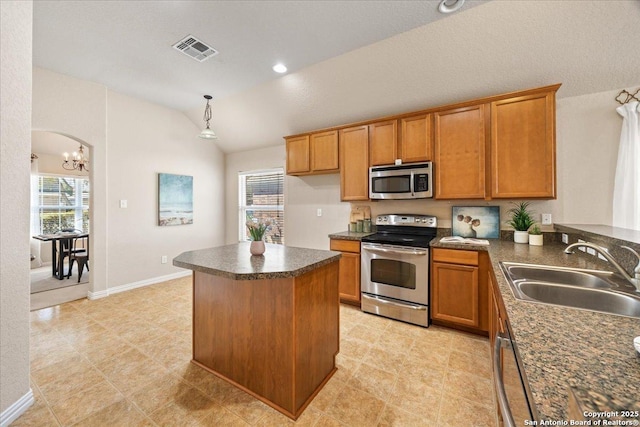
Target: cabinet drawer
column 455, row 256
column 345, row 245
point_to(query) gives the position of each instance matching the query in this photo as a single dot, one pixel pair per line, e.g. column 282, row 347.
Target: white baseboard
column 18, row 408
column 97, row 295
column 147, row 282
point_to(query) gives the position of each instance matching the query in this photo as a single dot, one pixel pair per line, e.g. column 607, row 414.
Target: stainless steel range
column 395, row 267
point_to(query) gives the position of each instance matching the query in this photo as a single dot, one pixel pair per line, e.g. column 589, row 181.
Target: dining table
column 60, row 248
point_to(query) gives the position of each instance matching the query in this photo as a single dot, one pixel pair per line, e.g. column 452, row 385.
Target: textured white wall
column 588, row 138
column 15, row 145
column 303, row 196
column 131, row 141
column 143, row 140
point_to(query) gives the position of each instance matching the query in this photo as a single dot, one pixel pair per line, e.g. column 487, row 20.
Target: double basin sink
column 593, row 290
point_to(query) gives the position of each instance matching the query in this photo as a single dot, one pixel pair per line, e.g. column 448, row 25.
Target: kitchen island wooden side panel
column 317, row 326
column 243, row 330
column 275, row 338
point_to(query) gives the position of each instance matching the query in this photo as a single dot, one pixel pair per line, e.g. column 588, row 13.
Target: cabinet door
column 349, row 278
column 354, row 163
column 324, row 152
column 416, row 139
column 383, row 140
column 460, row 153
column 523, row 148
column 298, row 155
column 455, row 294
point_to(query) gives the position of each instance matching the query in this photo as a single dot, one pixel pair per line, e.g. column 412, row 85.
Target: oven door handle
column 503, row 403
column 395, row 251
column 387, row 302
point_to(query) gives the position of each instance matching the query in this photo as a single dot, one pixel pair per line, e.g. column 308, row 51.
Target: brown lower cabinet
column 349, row 276
column 459, row 291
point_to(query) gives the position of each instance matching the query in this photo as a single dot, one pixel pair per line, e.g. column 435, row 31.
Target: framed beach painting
column 482, row 222
column 175, row 199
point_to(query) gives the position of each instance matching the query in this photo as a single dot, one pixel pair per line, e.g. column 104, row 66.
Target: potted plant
column 535, row 235
column 256, row 230
column 520, row 221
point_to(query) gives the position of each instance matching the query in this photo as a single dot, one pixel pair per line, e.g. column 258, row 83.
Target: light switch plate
column 565, row 238
column 123, row 204
column 546, row 219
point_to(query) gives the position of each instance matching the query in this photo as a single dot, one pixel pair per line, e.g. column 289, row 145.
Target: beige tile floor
column 124, row 361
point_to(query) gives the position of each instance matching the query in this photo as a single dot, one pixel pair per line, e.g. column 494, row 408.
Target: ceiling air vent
column 195, row 48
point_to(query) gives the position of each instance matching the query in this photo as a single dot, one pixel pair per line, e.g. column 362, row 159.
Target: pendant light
column 207, row 133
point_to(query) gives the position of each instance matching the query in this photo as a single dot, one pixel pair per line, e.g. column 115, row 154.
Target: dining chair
column 79, row 252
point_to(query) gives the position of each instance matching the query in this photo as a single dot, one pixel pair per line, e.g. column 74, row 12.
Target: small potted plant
column 535, row 235
column 521, row 221
column 256, row 230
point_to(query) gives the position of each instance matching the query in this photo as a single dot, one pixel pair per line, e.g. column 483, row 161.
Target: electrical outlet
column 319, row 212
column 123, row 204
column 163, row 260
column 546, row 219
column 565, row 239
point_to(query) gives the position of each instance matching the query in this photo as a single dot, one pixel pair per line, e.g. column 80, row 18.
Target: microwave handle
column 411, row 185
column 503, row 403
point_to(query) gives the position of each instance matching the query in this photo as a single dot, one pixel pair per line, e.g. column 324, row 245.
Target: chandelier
column 78, row 162
column 207, row 133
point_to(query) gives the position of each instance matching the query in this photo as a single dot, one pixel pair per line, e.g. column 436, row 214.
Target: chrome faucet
column 635, row 281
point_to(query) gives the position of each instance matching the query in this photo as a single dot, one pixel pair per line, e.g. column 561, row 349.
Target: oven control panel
column 407, row 220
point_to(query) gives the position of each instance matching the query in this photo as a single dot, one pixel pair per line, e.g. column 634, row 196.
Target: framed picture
column 175, row 199
column 482, row 222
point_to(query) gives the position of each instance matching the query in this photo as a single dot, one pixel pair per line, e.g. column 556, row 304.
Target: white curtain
column 626, row 191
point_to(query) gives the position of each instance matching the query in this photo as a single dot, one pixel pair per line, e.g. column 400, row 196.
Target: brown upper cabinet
column 414, row 142
column 500, row 146
column 460, row 153
column 298, row 160
column 416, row 138
column 383, row 142
column 354, row 163
column 523, row 148
column 313, row 154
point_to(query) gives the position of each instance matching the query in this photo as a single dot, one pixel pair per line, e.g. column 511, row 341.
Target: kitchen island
column 267, row 324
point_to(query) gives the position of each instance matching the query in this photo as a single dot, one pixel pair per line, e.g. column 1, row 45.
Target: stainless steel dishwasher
column 514, row 396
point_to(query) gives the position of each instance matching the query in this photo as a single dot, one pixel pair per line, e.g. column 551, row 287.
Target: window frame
column 77, row 207
column 242, row 197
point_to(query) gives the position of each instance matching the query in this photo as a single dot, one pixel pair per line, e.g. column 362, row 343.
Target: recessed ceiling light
column 450, row 6
column 280, row 68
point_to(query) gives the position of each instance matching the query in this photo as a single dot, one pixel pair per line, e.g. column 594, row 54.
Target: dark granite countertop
column 236, row 262
column 349, row 235
column 562, row 347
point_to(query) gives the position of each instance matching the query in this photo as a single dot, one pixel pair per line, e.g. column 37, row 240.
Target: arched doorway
column 61, row 199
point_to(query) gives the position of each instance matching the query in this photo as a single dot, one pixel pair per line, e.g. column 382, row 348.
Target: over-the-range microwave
column 407, row 181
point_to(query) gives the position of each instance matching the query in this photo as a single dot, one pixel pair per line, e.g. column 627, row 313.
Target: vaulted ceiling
column 348, row 60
